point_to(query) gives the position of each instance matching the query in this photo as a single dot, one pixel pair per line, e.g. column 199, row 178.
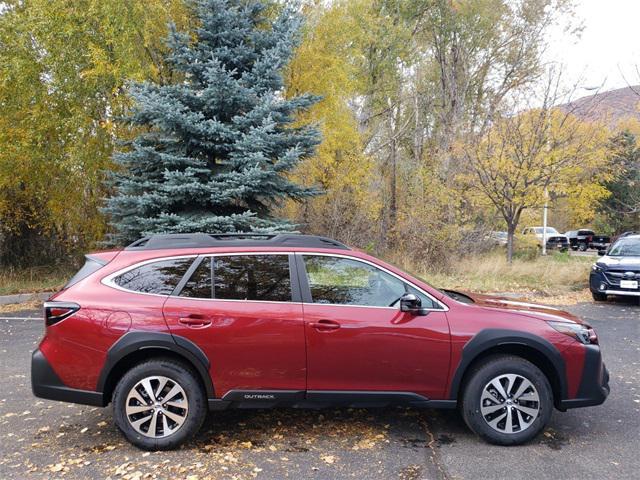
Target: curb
column 23, row 297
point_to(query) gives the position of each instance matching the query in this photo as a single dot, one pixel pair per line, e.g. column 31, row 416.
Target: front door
column 359, row 340
column 240, row 311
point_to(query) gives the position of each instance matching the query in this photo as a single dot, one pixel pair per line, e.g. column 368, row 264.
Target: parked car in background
column 600, row 242
column 555, row 240
column 175, row 325
column 585, row 239
column 498, row 238
column 617, row 272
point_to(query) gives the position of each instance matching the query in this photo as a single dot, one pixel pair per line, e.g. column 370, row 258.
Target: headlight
column 581, row 333
column 596, row 268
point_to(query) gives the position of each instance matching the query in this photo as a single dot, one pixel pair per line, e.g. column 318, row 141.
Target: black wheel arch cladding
column 137, row 341
column 489, row 339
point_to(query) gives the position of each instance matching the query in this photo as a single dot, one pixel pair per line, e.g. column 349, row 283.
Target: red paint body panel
column 377, row 349
column 251, row 345
column 271, row 345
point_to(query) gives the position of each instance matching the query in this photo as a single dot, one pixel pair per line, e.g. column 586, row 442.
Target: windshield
column 626, row 247
column 540, row 230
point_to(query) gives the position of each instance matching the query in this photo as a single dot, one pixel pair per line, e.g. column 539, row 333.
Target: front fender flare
column 495, row 337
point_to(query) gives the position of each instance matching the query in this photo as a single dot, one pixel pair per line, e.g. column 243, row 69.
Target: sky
column 608, row 50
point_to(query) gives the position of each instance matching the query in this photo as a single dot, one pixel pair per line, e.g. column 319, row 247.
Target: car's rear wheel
column 507, row 400
column 599, row 297
column 159, row 404
column 583, row 247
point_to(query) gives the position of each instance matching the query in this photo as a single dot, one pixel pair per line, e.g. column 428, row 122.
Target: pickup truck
column 585, row 239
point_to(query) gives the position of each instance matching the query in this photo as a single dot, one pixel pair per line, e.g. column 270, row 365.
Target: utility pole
column 544, row 222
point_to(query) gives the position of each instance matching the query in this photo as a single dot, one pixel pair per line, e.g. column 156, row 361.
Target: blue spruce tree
column 216, row 144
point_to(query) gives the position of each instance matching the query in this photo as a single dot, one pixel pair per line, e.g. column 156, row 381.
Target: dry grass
column 33, row 304
column 38, row 279
column 555, row 275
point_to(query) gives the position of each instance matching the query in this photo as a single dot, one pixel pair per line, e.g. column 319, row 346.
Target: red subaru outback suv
column 176, row 325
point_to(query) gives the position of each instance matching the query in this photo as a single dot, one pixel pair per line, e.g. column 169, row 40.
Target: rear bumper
column 46, row 384
column 557, row 246
column 594, row 385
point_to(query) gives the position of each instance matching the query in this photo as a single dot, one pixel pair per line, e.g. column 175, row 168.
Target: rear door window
column 252, row 277
column 199, row 285
column 241, row 277
column 159, row 277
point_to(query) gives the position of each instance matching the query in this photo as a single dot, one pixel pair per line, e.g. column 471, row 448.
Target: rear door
column 242, row 311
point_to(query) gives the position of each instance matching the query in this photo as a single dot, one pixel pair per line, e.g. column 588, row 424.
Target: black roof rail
column 204, row 240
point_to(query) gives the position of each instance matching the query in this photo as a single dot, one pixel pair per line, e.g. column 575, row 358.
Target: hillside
column 610, row 106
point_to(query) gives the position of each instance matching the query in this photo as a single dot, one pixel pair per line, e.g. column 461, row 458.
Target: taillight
column 55, row 312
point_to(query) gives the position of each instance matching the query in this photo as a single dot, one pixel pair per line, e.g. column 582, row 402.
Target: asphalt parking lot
column 42, row 439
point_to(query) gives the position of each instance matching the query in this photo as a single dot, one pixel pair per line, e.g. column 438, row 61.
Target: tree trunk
column 393, row 208
column 511, row 230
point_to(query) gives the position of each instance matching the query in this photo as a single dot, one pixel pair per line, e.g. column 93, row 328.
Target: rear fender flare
column 135, row 341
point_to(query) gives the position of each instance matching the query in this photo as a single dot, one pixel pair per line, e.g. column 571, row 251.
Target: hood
column 542, row 312
column 630, row 262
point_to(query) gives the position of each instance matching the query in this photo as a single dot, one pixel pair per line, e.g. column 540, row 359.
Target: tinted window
column 342, row 281
column 199, row 285
column 157, row 277
column 252, row 277
column 90, row 266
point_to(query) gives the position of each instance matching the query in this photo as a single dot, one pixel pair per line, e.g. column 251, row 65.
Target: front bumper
column 45, row 383
column 598, row 279
column 594, row 385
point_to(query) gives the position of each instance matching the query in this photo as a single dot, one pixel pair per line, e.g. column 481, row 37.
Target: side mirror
column 602, row 252
column 412, row 304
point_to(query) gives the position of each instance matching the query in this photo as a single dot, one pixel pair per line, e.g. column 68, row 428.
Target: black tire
column 599, row 297
column 177, row 372
column 490, row 369
column 583, row 247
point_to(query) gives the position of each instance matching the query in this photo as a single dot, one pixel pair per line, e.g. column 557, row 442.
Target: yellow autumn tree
column 543, row 149
column 324, row 65
column 63, row 70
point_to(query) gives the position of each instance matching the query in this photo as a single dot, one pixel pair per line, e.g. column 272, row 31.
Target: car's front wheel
column 507, row 400
column 599, row 297
column 159, row 404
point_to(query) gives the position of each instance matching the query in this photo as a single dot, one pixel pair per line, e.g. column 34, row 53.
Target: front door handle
column 195, row 320
column 325, row 325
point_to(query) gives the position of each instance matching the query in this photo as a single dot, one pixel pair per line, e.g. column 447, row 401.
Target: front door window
column 344, row 281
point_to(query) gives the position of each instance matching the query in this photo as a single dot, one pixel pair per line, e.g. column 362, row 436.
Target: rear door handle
column 325, row 325
column 195, row 320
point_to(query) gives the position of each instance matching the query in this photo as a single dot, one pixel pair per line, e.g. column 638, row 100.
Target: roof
column 208, row 240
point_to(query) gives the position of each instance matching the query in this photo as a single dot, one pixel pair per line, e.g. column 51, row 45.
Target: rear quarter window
column 159, row 277
column 91, row 265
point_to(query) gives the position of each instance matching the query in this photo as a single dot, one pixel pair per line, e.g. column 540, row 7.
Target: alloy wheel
column 156, row 406
column 509, row 403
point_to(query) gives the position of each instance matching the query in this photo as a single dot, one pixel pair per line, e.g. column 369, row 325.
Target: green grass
column 36, row 279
